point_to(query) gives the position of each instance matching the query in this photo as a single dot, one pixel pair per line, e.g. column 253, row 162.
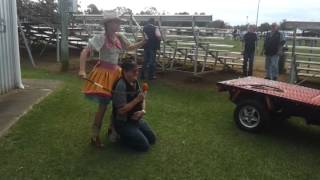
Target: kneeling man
column 128, row 110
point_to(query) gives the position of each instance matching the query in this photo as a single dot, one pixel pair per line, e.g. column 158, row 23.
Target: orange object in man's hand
column 145, row 87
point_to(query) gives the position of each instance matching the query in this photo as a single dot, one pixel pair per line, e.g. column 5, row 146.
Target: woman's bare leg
column 97, row 124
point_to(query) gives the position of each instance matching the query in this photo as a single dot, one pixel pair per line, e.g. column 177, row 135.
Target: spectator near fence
column 150, row 49
column 249, row 45
column 273, row 44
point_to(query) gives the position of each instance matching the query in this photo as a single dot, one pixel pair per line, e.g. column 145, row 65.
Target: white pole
column 257, row 19
column 293, row 72
column 16, row 46
column 58, row 44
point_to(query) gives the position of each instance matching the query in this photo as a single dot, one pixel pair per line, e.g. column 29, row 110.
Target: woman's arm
column 131, row 46
column 84, row 56
column 134, row 46
column 94, row 44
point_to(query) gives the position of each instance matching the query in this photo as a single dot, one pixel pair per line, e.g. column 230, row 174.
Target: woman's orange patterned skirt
column 105, row 74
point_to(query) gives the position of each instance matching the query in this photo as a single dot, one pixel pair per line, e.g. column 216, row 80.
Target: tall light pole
column 257, row 19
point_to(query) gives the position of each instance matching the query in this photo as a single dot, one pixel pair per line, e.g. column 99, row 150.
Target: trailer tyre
column 251, row 116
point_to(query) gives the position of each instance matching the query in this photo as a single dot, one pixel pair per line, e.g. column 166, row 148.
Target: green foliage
column 264, row 27
column 40, row 11
column 150, row 11
column 217, row 24
column 123, row 10
column 93, row 9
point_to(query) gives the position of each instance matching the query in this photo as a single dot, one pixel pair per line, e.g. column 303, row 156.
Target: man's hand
column 140, row 97
column 138, row 115
column 280, row 52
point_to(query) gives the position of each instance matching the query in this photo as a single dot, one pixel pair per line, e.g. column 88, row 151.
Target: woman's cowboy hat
column 111, row 16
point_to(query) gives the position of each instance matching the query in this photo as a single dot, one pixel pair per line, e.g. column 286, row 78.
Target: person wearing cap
column 150, row 49
column 106, row 71
column 249, row 45
column 128, row 110
column 273, row 44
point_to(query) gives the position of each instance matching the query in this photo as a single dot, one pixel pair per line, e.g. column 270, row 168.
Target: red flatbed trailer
column 259, row 101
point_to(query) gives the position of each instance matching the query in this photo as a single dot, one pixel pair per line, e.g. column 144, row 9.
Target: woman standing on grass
column 106, row 71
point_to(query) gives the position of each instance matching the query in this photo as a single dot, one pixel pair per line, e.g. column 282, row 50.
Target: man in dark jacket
column 249, row 45
column 150, row 49
column 273, row 44
column 129, row 109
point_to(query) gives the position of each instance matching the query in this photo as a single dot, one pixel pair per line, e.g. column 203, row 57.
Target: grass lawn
column 197, row 139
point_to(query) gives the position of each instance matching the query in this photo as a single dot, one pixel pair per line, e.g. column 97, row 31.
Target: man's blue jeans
column 136, row 135
column 149, row 63
column 272, row 67
column 248, row 59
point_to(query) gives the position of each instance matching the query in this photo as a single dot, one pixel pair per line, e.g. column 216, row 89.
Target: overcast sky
column 232, row 11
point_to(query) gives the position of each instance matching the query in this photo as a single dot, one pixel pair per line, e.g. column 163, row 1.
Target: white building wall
column 10, row 71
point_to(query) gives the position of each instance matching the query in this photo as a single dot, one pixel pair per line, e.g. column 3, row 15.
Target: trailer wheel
column 251, row 115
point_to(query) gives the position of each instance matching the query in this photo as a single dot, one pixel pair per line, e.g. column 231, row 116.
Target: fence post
column 195, row 36
column 64, row 48
column 293, row 72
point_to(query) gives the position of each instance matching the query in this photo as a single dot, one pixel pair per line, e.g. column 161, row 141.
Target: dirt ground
column 49, row 62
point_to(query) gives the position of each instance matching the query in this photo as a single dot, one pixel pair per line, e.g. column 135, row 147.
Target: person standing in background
column 150, row 49
column 273, row 44
column 249, row 45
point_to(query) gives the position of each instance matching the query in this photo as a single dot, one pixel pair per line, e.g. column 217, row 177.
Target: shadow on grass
column 295, row 131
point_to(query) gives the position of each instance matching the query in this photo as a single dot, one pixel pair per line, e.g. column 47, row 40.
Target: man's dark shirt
column 250, row 40
column 153, row 42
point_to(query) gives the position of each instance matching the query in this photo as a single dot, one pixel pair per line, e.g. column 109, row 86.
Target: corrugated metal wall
column 10, row 74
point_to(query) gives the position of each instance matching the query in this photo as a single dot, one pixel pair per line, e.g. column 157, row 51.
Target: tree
column 150, row 11
column 182, row 13
column 227, row 26
column 264, row 27
column 78, row 10
column 241, row 27
column 282, row 25
column 217, row 24
column 92, row 9
column 41, row 11
column 165, row 13
column 122, row 10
